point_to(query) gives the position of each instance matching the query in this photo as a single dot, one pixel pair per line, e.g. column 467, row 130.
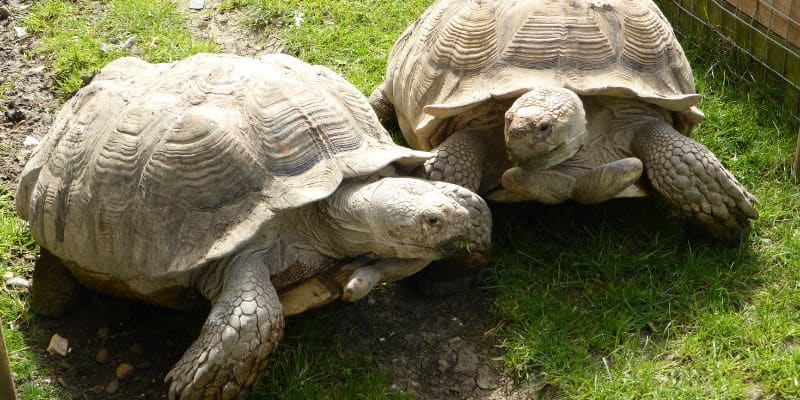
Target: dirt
column 434, row 348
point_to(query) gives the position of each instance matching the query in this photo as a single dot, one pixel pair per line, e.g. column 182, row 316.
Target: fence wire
column 767, row 31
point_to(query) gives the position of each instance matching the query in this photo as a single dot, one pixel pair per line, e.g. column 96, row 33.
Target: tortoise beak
column 472, row 253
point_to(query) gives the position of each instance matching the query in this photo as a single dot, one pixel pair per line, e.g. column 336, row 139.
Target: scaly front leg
column 243, row 328
column 692, row 178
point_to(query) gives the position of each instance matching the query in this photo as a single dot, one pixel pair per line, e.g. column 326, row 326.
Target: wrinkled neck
column 339, row 226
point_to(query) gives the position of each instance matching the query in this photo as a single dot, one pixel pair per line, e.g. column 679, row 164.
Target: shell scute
column 461, row 54
column 153, row 170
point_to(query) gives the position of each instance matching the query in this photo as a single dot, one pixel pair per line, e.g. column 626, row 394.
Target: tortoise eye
column 544, row 127
column 518, row 132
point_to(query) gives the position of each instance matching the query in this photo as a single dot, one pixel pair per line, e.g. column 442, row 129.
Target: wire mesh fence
column 767, row 32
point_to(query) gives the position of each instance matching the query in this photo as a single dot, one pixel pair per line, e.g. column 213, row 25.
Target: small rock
column 21, row 31
column 102, row 355
column 105, row 47
column 30, row 141
column 13, row 115
column 112, row 387
column 61, row 382
column 103, row 333
column 299, row 17
column 486, row 378
column 197, row 4
column 136, row 349
column 58, row 345
column 129, row 43
column 4, row 12
column 18, row 282
column 124, row 370
column 97, row 389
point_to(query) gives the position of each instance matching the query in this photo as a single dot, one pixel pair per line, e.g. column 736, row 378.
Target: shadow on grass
column 579, row 289
column 586, row 287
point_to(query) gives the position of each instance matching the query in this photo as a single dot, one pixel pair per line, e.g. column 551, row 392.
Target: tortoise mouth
column 476, row 253
column 556, row 155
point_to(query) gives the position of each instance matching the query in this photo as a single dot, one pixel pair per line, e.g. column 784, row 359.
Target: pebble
column 129, row 43
column 13, row 115
column 98, row 389
column 112, row 387
column 18, row 282
column 30, row 141
column 102, row 355
column 4, row 12
column 124, row 370
column 486, row 379
column 103, row 333
column 21, row 31
column 197, row 4
column 58, row 345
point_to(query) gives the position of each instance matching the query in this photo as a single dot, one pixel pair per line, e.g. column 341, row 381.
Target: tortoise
column 554, row 100
column 231, row 179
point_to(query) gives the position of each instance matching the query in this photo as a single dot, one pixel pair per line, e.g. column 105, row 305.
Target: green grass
column 311, row 363
column 73, row 32
column 4, row 88
column 605, row 302
column 614, row 302
column 351, row 37
column 17, row 252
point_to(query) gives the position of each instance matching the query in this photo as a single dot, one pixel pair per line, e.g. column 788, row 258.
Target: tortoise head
column 410, row 218
column 544, row 127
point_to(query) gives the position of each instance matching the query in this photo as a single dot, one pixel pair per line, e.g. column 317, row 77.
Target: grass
column 79, row 37
column 311, row 363
column 4, row 88
column 351, row 37
column 605, row 302
column 614, row 302
column 17, row 252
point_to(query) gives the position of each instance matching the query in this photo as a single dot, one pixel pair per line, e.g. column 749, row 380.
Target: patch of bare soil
column 434, row 348
column 26, row 102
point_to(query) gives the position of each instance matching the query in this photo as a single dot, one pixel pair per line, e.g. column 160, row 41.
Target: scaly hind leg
column 383, row 108
column 54, row 288
column 692, row 178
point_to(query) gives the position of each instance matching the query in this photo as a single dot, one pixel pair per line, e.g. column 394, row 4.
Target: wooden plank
column 7, row 390
column 796, row 166
column 781, row 17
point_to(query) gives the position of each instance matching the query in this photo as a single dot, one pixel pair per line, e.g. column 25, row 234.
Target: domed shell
column 460, row 54
column 155, row 169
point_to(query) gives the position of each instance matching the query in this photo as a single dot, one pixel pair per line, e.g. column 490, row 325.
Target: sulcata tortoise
column 552, row 100
column 234, row 179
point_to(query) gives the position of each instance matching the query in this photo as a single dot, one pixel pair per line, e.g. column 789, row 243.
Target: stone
column 58, row 345
column 102, row 355
column 21, row 31
column 486, row 378
column 30, row 141
column 123, row 371
column 103, row 333
column 197, row 4
column 4, row 12
column 18, row 282
column 112, row 387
